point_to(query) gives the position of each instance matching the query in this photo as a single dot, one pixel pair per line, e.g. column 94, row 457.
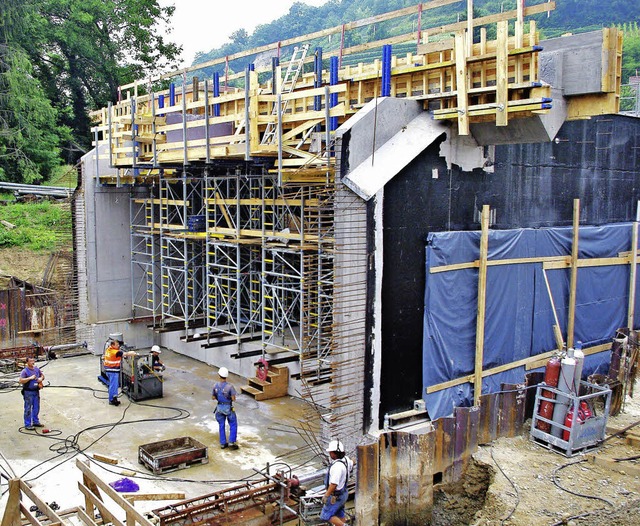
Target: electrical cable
column 70, row 444
column 577, row 494
column 515, row 488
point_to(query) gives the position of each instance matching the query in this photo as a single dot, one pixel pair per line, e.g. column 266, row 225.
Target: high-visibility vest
column 111, row 361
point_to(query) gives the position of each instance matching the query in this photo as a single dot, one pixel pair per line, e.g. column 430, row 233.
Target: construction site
column 394, row 244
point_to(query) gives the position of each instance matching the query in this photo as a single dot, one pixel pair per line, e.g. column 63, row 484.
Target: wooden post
column 633, row 270
column 469, row 28
column 574, row 273
column 519, row 40
column 253, row 136
column 461, row 83
column 502, row 74
column 11, row 515
column 482, row 301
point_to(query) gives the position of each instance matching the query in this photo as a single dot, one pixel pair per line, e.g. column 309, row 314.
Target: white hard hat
column 223, row 372
column 335, row 445
column 156, row 348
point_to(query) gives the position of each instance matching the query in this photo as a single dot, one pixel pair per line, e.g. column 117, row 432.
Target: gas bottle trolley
column 575, row 434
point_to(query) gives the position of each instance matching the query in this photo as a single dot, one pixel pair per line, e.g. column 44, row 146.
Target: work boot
column 30, row 428
column 233, row 446
column 38, row 425
column 224, row 446
column 115, row 402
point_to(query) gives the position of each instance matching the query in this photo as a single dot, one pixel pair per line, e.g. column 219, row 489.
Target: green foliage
column 61, row 58
column 36, row 225
column 29, row 133
column 631, row 51
column 569, row 15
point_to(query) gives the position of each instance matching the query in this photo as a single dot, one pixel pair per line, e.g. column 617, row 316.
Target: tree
column 82, row 50
column 29, row 133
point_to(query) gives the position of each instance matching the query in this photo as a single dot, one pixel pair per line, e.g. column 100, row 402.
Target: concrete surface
column 75, row 409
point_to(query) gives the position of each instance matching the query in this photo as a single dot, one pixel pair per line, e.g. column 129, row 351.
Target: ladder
column 291, row 76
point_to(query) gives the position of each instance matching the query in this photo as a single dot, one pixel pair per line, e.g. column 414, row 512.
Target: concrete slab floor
column 75, row 409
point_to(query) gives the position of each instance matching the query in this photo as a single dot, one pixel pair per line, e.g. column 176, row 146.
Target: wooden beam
column 609, row 463
column 573, row 286
column 633, row 271
column 556, row 328
column 95, row 502
column 482, row 303
column 502, row 75
column 532, row 362
column 469, row 27
column 42, row 505
column 461, row 83
column 84, row 517
column 11, row 515
column 133, row 515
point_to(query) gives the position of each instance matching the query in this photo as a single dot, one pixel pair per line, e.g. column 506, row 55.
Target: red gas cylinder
column 569, row 418
column 551, row 376
column 585, row 410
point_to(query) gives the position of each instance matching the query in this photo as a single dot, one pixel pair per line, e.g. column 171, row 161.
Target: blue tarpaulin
column 519, row 315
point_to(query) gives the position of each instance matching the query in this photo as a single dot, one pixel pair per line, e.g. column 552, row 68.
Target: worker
column 156, row 364
column 336, row 480
column 225, row 394
column 111, row 361
column 31, row 379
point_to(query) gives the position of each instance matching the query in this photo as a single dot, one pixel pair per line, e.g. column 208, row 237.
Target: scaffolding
column 238, row 234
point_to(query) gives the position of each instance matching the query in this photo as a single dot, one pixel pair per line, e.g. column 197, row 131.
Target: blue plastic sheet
column 519, row 315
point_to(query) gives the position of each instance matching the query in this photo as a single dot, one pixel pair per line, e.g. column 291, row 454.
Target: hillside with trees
column 60, row 59
column 569, row 16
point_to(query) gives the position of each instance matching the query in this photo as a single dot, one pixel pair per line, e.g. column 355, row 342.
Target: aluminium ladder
column 291, row 76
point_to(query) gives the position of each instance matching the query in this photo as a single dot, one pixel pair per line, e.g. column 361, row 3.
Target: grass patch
column 37, row 226
column 65, row 176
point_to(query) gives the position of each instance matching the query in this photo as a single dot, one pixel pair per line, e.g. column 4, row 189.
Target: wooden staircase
column 274, row 386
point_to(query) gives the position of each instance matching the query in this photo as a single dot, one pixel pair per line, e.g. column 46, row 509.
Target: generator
column 138, row 380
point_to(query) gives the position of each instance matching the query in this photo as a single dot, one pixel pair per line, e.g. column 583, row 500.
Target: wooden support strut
column 633, row 271
column 574, row 273
column 482, row 302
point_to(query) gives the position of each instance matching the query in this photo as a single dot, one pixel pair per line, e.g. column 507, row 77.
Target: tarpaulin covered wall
column 519, row 315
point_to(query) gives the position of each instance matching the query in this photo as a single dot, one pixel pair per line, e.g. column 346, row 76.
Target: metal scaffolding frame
column 182, row 250
column 145, row 257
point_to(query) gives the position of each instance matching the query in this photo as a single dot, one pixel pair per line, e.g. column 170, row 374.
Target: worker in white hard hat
column 225, row 394
column 156, row 364
column 335, row 482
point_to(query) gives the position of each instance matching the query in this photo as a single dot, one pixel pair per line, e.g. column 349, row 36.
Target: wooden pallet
column 275, row 385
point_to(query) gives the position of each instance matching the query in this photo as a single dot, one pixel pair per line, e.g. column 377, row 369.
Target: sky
column 201, row 25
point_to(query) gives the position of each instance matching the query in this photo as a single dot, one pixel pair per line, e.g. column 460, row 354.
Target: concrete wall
column 528, row 186
column 105, row 279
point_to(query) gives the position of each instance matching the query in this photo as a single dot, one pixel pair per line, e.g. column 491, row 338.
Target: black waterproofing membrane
column 519, row 315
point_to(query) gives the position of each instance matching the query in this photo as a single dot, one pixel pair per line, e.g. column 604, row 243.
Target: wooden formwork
column 398, row 473
column 457, row 77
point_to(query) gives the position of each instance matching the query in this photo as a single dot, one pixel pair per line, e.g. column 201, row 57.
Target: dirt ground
column 23, row 264
column 530, row 484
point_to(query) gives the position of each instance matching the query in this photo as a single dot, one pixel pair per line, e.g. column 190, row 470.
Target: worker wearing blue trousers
column 225, row 394
column 112, row 361
column 31, row 379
